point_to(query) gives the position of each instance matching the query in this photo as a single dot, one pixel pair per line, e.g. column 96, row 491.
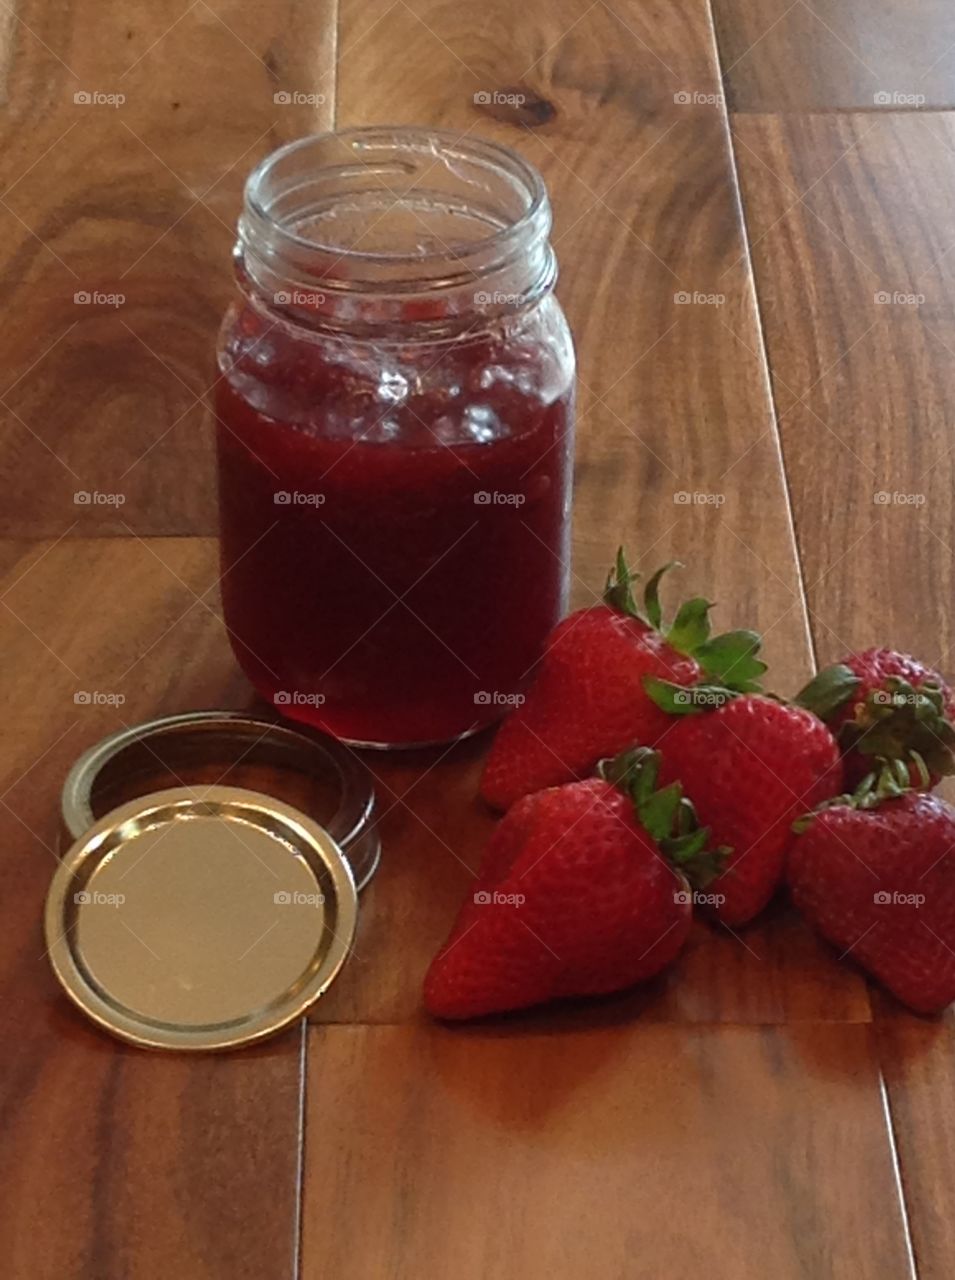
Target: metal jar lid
column 200, row 919
column 229, row 746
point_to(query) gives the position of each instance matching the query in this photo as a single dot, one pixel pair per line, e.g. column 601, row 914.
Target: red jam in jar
column 395, row 434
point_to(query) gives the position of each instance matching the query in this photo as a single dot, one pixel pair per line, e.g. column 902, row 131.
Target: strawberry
column 582, row 891
column 751, row 765
column 587, row 700
column 875, row 875
column 885, row 706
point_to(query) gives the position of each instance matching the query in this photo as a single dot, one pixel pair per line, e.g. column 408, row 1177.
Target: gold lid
column 200, row 918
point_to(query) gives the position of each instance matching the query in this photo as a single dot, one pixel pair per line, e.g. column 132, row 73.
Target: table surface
column 790, row 167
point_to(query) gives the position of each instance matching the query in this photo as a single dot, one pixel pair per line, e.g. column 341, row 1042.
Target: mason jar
column 394, row 419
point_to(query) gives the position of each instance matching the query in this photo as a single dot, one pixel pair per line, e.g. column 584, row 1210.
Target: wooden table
column 760, row 1112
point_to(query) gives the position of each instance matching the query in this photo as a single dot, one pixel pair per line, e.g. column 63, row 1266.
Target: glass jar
column 394, row 418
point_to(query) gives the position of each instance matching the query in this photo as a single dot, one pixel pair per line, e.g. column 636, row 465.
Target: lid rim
column 86, row 991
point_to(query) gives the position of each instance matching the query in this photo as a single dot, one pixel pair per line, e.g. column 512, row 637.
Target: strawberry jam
column 394, row 480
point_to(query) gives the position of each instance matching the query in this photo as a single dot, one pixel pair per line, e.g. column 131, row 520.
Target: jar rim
column 532, row 222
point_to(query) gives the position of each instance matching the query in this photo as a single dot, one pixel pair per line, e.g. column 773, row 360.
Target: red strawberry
column 587, row 700
column 750, row 767
column 884, row 705
column 579, row 894
column 879, row 883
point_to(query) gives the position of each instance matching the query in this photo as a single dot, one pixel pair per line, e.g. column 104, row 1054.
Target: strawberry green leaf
column 730, row 660
column 888, row 781
column 618, row 590
column 691, row 626
column 651, row 595
column 666, row 815
column 658, row 812
column 829, row 690
column 904, row 723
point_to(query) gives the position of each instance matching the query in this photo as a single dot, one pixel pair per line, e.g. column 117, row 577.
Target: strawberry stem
column 889, row 781
column 729, row 659
column 666, row 815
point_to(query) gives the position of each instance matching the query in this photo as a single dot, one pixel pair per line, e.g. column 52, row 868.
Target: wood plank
column 867, row 395
column 672, row 402
column 865, row 387
column 136, row 201
column 632, row 1152
column 918, row 1060
column 819, row 55
column 118, row 1162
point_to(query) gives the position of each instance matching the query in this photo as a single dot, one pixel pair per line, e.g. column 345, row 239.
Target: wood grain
column 635, row 1151
column 856, row 282
column 117, row 1162
column 824, row 55
column 917, row 1061
column 866, row 393
column 134, row 201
